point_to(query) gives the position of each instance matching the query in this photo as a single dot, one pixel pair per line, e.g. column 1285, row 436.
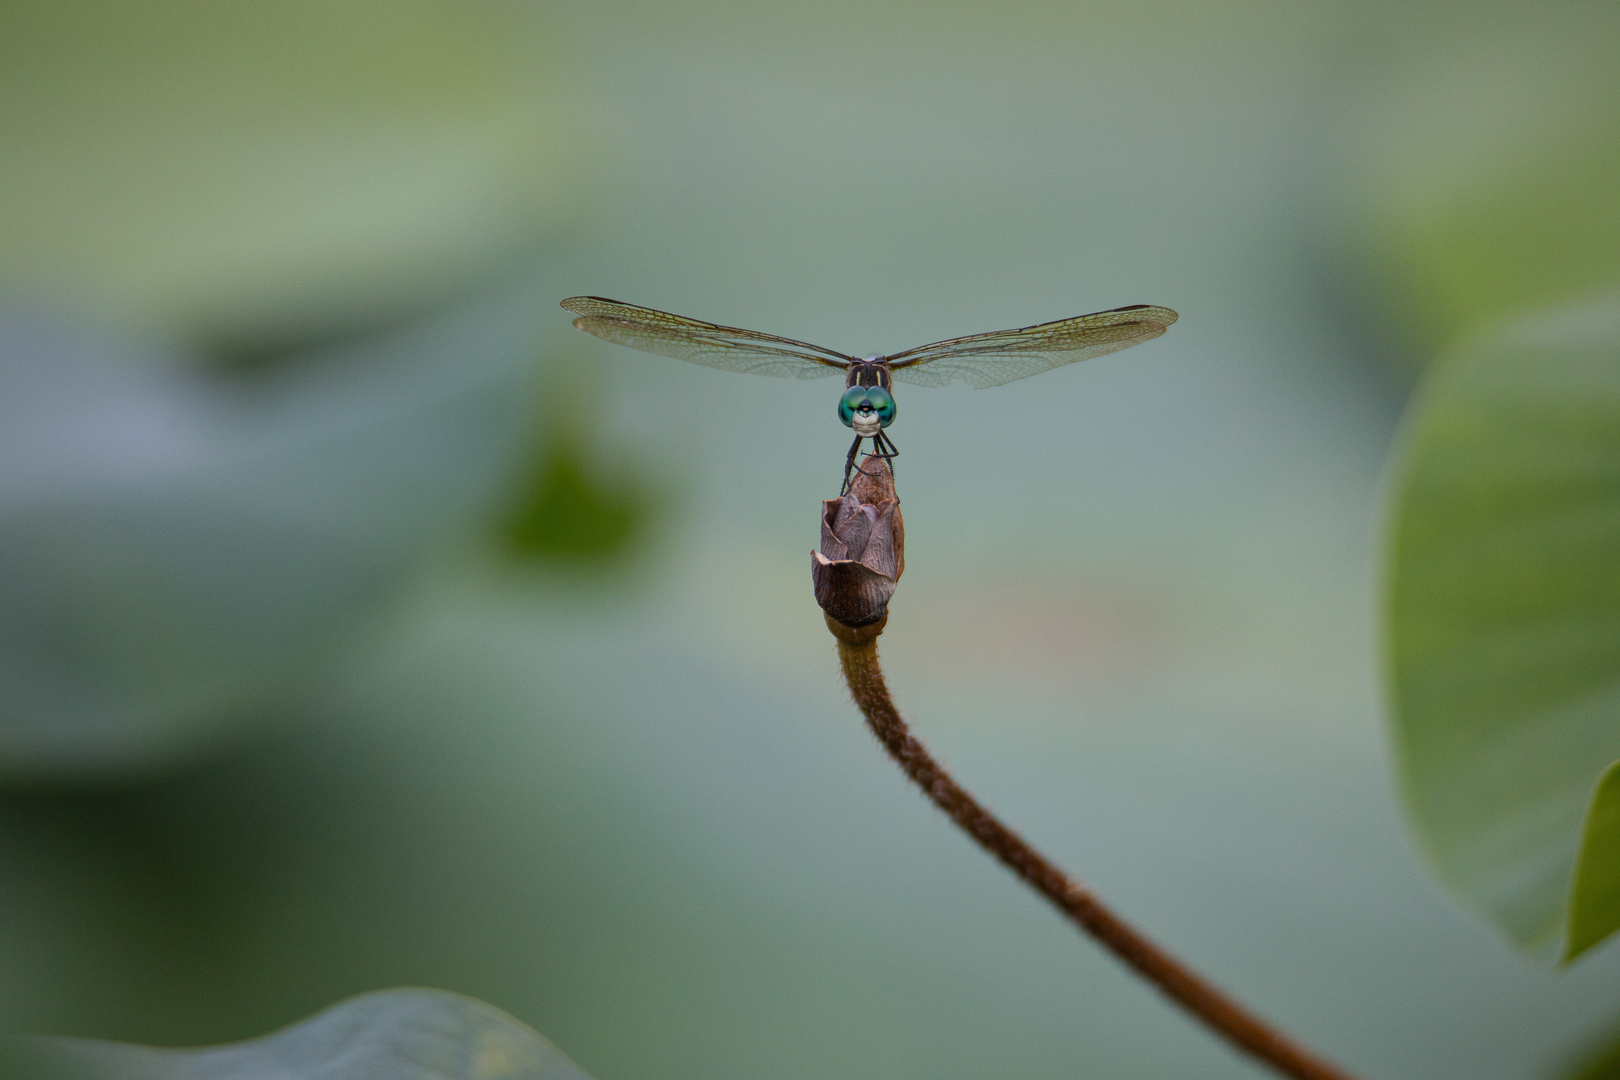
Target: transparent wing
column 1005, row 355
column 710, row 344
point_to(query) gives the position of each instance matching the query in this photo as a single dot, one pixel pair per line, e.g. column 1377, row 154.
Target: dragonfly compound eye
column 882, row 403
column 866, row 409
column 850, row 404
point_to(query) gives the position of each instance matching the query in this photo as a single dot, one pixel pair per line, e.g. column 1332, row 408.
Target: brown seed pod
column 863, row 548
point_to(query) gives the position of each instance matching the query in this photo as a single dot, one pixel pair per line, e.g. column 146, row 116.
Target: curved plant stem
column 857, row 651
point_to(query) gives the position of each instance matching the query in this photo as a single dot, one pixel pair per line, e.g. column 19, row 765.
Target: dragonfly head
column 867, row 405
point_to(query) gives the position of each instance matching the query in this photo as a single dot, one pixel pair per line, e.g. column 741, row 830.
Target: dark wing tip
column 1164, row 315
column 580, row 304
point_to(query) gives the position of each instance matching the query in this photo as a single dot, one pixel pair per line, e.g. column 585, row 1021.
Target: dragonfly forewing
column 711, row 344
column 1004, row 356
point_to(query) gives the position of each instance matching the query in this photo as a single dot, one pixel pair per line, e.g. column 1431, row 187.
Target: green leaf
column 1594, row 903
column 1599, row 1063
column 236, row 172
column 576, row 504
column 1543, row 228
column 1504, row 615
column 409, row 1034
column 569, row 512
column 1484, row 183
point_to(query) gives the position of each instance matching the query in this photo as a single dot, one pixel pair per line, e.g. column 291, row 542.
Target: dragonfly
column 867, row 404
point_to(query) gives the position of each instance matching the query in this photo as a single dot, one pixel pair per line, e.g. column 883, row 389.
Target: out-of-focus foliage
column 175, row 545
column 1594, row 903
column 1603, row 1064
column 574, row 502
column 408, row 1034
column 321, row 183
column 245, row 173
column 1504, row 619
column 642, row 817
column 1486, row 173
column 570, row 511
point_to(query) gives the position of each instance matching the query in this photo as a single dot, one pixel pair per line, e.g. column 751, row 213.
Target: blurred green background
column 363, row 625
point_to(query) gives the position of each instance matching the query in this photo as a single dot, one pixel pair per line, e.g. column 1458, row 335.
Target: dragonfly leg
column 849, row 465
column 882, row 447
column 887, row 451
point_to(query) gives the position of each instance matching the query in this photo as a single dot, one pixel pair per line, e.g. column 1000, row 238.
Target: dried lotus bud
column 863, row 548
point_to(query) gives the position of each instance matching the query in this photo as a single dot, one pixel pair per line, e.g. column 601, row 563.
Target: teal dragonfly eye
column 866, row 406
column 882, row 403
column 853, row 399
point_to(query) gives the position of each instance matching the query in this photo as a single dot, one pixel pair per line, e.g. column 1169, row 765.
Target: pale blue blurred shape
column 175, row 546
column 403, row 1034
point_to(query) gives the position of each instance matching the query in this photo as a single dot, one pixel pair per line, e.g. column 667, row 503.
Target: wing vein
column 1003, row 356
column 711, row 344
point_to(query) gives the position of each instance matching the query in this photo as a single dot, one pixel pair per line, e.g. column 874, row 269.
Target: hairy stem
column 857, row 651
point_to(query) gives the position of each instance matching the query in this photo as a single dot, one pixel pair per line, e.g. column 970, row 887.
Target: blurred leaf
column 1487, row 171
column 409, row 1034
column 1602, row 1065
column 1594, row 903
column 574, row 503
column 570, row 512
column 174, row 547
column 1546, row 229
column 1503, row 612
column 233, row 171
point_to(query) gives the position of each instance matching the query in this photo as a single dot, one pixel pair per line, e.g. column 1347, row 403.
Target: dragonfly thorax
column 869, row 372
